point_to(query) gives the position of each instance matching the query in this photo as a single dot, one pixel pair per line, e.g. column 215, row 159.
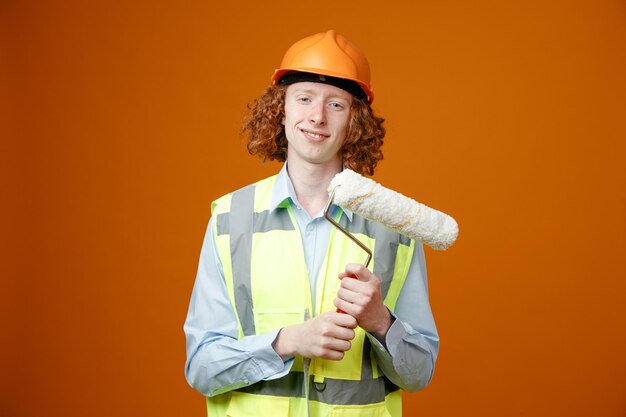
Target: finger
column 340, row 345
column 331, row 349
column 333, row 355
column 343, row 275
column 344, row 307
column 349, row 295
column 345, row 320
column 355, row 285
column 359, row 271
column 338, row 341
column 342, row 334
column 350, row 309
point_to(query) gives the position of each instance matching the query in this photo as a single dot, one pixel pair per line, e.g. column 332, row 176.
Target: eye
column 336, row 106
column 303, row 99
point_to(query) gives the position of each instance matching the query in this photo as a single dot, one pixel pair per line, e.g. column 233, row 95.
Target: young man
column 264, row 335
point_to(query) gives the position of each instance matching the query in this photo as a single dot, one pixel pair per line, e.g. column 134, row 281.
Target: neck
column 311, row 182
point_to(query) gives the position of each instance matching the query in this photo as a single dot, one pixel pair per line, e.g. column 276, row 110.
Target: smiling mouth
column 313, row 135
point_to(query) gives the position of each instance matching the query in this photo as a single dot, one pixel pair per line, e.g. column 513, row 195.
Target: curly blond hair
column 266, row 135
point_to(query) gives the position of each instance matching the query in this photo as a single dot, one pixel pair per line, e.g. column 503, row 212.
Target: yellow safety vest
column 268, row 284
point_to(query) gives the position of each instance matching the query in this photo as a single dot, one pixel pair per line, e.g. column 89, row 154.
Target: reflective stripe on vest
column 336, row 391
column 267, row 279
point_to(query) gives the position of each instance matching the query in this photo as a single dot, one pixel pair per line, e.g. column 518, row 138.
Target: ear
column 282, row 121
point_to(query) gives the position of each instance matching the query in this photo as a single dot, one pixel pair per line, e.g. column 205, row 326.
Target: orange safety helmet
column 327, row 54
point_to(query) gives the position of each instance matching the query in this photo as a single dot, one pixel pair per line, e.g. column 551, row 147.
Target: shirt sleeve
column 217, row 361
column 411, row 345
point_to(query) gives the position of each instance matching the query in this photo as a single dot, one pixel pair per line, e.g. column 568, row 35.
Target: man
column 280, row 298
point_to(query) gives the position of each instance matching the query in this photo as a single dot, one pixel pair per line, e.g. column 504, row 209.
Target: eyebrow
column 313, row 92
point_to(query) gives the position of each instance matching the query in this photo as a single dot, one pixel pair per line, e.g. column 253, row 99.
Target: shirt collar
column 284, row 194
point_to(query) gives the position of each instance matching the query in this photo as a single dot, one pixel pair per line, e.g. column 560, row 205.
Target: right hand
column 326, row 336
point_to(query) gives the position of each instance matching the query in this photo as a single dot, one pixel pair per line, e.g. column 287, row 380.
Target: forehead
column 321, row 89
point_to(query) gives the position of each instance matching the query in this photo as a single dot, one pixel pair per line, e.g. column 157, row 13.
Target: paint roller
column 402, row 214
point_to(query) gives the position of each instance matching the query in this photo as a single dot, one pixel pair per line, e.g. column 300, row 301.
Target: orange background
column 120, row 124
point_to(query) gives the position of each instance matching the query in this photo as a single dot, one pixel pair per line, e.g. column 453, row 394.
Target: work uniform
column 256, row 238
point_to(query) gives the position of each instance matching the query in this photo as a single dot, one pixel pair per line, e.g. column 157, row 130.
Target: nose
column 317, row 115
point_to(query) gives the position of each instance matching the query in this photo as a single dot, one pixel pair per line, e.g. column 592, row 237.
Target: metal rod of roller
column 344, row 231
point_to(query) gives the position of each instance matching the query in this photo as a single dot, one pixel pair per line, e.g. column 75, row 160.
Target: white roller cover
column 371, row 200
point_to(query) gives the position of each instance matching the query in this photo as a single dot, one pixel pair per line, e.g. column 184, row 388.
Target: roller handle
column 348, row 234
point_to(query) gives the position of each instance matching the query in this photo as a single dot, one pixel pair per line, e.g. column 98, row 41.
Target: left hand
column 361, row 298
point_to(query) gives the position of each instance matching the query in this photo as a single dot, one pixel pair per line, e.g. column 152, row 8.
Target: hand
column 326, row 336
column 361, row 298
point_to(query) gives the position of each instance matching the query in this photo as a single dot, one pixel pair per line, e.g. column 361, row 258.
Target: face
column 316, row 122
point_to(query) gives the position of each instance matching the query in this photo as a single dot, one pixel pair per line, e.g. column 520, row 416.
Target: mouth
column 314, row 136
